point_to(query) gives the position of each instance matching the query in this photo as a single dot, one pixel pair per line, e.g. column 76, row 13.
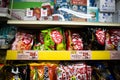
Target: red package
column 79, row 2
column 112, row 39
column 23, row 41
column 74, row 40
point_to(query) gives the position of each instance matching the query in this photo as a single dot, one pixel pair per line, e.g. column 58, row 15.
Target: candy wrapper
column 39, row 42
column 53, row 39
column 76, row 71
column 96, row 38
column 20, row 72
column 74, row 40
column 23, row 41
column 43, row 71
column 113, row 39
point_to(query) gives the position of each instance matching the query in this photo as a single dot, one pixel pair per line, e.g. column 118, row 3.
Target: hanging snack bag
column 73, row 40
column 53, row 39
column 23, row 41
column 20, row 72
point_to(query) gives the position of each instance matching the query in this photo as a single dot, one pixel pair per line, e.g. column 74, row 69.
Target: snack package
column 112, row 39
column 23, row 41
column 7, row 34
column 43, row 71
column 20, row 72
column 74, row 71
column 53, row 39
column 96, row 38
column 73, row 40
column 101, row 71
column 39, row 42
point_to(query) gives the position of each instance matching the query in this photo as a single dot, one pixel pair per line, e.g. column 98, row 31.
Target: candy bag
column 53, row 39
column 74, row 40
column 23, row 41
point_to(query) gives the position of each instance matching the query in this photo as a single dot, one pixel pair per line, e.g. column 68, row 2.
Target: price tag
column 43, row 12
column 114, row 54
column 28, row 55
column 80, row 55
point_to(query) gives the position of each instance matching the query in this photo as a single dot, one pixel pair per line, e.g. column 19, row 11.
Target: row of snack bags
column 48, row 71
column 68, row 39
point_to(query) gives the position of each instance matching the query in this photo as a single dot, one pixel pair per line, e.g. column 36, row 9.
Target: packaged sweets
column 16, row 72
column 43, row 71
column 23, row 41
column 7, row 34
column 53, row 39
column 39, row 42
column 73, row 40
column 74, row 71
column 96, row 38
column 113, row 39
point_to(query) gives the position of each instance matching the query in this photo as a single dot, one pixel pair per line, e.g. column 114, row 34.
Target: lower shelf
column 62, row 55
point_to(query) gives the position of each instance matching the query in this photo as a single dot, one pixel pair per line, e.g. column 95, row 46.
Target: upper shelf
column 59, row 23
column 4, row 16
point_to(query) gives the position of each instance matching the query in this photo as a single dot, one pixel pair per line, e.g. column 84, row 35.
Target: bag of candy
column 43, row 71
column 17, row 72
column 23, row 41
column 54, row 39
column 73, row 40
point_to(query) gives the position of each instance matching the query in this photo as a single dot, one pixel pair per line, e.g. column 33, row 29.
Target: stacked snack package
column 113, row 39
column 23, row 41
column 17, row 72
column 73, row 40
column 43, row 71
column 76, row 71
column 53, row 39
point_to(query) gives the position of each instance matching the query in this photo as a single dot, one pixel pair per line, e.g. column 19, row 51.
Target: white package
column 105, row 17
column 107, row 5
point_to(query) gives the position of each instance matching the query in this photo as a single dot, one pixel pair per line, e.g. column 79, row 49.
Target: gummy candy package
column 74, row 40
column 17, row 72
column 23, row 41
column 54, row 39
column 42, row 71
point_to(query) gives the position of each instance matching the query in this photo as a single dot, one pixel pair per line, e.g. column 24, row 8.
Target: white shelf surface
column 60, row 23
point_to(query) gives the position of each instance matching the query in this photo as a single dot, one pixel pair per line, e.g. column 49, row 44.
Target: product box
column 94, row 12
column 105, row 17
column 62, row 4
column 81, row 9
column 107, row 5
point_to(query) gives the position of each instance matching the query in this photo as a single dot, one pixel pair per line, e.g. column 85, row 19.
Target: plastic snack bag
column 23, row 41
column 53, row 39
column 74, row 40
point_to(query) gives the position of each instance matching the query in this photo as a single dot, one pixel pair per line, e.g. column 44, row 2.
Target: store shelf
column 4, row 16
column 62, row 55
column 58, row 23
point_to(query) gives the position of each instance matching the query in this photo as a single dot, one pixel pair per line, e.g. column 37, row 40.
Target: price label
column 28, row 55
column 114, row 54
column 80, row 55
